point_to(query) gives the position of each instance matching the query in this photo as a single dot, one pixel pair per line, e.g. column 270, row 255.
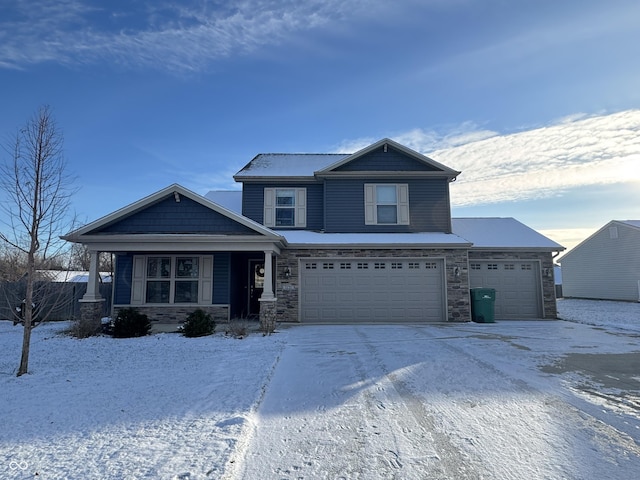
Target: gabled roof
column 88, row 232
column 502, row 233
column 384, row 143
column 633, row 224
column 310, row 165
column 229, row 199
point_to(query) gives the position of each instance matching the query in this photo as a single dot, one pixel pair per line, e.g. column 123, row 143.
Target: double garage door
column 372, row 290
column 517, row 285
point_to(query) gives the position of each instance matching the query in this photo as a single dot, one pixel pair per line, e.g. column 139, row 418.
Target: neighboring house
column 606, row 265
column 366, row 237
column 70, row 276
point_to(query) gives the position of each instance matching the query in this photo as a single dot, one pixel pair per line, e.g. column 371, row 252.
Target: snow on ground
column 509, row 400
column 624, row 315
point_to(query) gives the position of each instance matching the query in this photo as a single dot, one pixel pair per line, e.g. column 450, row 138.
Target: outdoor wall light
column 287, row 272
column 456, row 272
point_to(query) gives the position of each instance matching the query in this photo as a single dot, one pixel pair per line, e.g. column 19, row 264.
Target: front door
column 256, row 285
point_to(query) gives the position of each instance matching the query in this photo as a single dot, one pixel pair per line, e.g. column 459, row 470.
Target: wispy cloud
column 182, row 36
column 546, row 161
column 575, row 151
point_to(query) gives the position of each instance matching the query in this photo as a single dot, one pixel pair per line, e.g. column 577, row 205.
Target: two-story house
column 363, row 237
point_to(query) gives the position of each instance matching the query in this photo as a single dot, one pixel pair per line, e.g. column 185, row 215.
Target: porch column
column 93, row 284
column 267, row 291
column 92, row 303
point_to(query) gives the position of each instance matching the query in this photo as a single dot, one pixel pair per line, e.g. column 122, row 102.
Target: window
column 386, row 204
column 172, row 279
column 285, row 207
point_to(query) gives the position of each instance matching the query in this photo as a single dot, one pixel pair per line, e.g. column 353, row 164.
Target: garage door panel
column 366, row 290
column 516, row 283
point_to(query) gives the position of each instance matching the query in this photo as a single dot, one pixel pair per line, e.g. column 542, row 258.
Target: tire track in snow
column 446, row 461
column 236, row 459
column 560, row 410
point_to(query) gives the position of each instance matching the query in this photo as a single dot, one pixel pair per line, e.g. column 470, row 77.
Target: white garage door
column 372, row 290
column 517, row 286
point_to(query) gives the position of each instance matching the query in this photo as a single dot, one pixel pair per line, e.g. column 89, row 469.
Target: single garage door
column 517, row 286
column 372, row 290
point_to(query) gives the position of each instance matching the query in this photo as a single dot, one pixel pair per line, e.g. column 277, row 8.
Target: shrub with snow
column 131, row 323
column 198, row 324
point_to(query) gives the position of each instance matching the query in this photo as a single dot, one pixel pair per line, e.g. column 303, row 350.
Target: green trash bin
column 483, row 305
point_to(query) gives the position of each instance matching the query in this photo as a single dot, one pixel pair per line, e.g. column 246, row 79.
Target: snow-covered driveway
column 451, row 401
column 510, row 400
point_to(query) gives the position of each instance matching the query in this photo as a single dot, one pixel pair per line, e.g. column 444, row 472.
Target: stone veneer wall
column 546, row 265
column 457, row 288
column 174, row 314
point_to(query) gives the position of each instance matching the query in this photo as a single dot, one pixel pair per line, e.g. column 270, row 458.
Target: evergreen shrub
column 199, row 324
column 131, row 323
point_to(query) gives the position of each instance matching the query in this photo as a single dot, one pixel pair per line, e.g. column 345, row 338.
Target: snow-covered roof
column 501, row 233
column 431, row 239
column 229, row 199
column 288, row 164
column 481, row 232
column 75, row 276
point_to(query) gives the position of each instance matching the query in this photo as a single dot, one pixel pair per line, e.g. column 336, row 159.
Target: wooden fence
column 57, row 301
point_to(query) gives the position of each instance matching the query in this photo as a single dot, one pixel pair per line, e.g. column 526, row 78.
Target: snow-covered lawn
column 510, row 400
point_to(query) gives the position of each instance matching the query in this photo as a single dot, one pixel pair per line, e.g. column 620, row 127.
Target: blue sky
column 536, row 101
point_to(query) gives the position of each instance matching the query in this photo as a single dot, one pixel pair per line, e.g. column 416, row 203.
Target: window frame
column 271, row 207
column 371, row 203
column 202, row 275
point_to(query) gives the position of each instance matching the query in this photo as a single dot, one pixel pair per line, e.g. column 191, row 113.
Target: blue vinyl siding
column 429, row 207
column 169, row 216
column 221, row 278
column 122, row 284
column 391, row 160
column 253, row 201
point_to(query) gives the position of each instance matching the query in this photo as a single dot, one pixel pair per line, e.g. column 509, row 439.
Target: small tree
column 38, row 193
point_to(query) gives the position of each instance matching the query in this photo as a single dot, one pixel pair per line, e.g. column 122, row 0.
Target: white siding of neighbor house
column 605, row 266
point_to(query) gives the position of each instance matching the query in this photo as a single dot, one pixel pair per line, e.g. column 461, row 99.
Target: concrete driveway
column 546, row 399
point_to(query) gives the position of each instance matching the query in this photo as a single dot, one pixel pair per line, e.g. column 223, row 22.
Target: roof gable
column 389, row 156
column 381, row 157
column 172, row 210
column 169, row 215
column 634, row 225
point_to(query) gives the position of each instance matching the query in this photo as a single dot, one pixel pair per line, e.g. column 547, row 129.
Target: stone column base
column 90, row 321
column 268, row 315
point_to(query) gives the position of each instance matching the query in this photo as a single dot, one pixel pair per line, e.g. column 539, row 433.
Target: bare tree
column 38, row 192
column 81, row 259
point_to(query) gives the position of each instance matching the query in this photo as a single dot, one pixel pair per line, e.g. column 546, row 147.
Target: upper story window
column 386, row 204
column 285, row 207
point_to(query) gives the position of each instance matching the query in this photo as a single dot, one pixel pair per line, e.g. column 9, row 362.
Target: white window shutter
column 370, row 204
column 403, row 204
column 269, row 219
column 206, row 287
column 137, row 284
column 301, row 208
